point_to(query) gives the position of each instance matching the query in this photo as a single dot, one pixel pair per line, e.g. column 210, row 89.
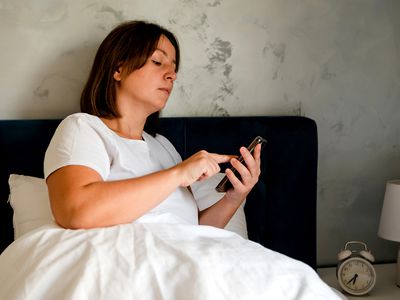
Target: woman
column 103, row 169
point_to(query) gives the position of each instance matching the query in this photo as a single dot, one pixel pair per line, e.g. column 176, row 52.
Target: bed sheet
column 156, row 257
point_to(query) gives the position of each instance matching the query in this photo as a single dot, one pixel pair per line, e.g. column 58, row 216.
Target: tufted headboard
column 280, row 210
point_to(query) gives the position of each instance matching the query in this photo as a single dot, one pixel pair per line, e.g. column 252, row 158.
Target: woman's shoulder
column 80, row 117
column 79, row 120
column 83, row 125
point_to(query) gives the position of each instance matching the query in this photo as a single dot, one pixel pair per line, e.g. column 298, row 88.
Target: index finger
column 221, row 158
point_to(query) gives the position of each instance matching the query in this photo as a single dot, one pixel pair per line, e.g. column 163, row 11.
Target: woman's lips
column 167, row 90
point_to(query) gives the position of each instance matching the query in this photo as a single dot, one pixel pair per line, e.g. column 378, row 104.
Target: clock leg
column 398, row 268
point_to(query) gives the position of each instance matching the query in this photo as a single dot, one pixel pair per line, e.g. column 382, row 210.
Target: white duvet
column 157, row 257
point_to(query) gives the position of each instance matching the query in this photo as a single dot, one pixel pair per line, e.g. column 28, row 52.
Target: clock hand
column 351, row 279
column 354, row 278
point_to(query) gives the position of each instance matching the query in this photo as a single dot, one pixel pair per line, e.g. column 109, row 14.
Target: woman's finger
column 221, row 158
column 236, row 183
column 252, row 165
column 241, row 168
column 257, row 154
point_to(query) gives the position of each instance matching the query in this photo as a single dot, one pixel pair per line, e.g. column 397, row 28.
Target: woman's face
column 150, row 86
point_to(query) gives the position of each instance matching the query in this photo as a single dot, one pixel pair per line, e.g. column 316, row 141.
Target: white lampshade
column 389, row 227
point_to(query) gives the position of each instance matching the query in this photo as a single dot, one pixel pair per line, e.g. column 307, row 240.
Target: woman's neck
column 130, row 128
column 132, row 120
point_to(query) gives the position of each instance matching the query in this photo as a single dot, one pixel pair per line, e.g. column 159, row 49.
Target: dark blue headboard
column 281, row 209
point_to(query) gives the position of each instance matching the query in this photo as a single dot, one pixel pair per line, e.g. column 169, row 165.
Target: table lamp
column 389, row 227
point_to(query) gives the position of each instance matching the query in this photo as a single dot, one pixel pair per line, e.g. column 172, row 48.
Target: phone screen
column 225, row 184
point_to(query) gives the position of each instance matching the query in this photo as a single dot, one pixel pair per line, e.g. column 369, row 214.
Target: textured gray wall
column 336, row 61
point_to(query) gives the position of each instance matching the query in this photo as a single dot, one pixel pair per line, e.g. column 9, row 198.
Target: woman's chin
column 162, row 103
column 159, row 106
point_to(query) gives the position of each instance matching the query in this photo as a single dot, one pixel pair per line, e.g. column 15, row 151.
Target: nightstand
column 385, row 287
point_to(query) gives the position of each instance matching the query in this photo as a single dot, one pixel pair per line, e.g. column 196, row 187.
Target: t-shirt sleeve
column 170, row 148
column 204, row 191
column 76, row 142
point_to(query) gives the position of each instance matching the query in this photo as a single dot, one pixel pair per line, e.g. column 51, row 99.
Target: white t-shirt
column 83, row 139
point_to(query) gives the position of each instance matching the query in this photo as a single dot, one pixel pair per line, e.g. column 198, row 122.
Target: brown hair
column 130, row 44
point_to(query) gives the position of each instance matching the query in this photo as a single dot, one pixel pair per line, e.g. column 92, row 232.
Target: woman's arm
column 221, row 212
column 81, row 199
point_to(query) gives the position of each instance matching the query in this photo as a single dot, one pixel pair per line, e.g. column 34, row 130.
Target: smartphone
column 225, row 184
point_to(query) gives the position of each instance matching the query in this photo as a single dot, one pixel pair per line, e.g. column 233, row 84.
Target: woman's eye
column 156, row 62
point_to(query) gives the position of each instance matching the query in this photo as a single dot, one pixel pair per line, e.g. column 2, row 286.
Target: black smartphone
column 225, row 184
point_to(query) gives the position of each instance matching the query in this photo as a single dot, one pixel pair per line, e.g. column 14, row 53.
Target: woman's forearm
column 105, row 203
column 219, row 214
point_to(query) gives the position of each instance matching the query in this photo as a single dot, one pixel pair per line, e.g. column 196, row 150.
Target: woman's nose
column 171, row 74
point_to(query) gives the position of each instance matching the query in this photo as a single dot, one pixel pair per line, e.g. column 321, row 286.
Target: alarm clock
column 355, row 273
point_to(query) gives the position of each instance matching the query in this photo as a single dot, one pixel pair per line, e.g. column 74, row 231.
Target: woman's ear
column 117, row 74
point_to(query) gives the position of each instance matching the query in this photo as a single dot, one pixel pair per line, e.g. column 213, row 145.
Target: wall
column 336, row 61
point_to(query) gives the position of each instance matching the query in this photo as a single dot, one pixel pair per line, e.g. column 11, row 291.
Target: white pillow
column 206, row 195
column 30, row 202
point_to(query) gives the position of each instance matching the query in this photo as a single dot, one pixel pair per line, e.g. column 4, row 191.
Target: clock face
column 356, row 276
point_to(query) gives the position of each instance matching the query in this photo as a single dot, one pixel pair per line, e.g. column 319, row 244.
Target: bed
column 280, row 212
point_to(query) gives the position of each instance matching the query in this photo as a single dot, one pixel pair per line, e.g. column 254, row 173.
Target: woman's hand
column 221, row 212
column 249, row 173
column 200, row 165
